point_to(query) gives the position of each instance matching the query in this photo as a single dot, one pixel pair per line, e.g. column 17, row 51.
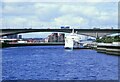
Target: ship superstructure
column 72, row 41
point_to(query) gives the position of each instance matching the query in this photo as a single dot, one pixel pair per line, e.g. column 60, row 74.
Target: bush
column 117, row 38
column 109, row 39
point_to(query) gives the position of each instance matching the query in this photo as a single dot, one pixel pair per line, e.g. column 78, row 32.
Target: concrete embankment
column 3, row 45
column 113, row 49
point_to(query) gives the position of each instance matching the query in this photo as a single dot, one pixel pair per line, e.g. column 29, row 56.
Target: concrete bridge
column 88, row 32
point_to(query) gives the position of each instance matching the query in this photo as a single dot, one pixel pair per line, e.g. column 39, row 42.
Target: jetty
column 109, row 48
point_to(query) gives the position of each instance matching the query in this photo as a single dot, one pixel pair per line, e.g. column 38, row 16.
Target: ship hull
column 72, row 48
column 68, row 48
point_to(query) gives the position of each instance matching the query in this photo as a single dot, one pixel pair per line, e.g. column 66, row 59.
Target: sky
column 54, row 14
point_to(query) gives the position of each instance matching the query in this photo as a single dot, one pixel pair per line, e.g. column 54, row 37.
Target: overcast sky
column 46, row 14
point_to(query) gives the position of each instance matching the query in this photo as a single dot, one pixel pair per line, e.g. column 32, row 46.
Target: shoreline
column 4, row 45
column 110, row 49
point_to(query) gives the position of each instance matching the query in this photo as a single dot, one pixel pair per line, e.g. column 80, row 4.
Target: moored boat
column 72, row 41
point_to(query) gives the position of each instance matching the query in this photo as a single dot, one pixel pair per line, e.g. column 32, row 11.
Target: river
column 56, row 63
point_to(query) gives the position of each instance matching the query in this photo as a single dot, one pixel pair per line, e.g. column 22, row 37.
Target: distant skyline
column 56, row 14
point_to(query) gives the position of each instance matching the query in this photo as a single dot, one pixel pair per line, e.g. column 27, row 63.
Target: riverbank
column 113, row 49
column 4, row 45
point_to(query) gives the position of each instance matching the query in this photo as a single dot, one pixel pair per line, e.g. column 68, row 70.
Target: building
column 50, row 38
column 20, row 36
column 55, row 37
column 46, row 40
column 15, row 36
column 61, row 37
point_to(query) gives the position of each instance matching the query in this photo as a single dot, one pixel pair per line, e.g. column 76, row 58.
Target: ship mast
column 73, row 31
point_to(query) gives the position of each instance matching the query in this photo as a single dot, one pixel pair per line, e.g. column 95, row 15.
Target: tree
column 117, row 38
column 109, row 39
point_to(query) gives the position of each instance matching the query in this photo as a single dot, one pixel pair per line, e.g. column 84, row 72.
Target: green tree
column 117, row 38
column 109, row 39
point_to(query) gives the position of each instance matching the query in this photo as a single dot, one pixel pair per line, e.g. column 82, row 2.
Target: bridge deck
column 90, row 32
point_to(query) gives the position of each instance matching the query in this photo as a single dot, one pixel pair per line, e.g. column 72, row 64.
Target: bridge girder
column 88, row 32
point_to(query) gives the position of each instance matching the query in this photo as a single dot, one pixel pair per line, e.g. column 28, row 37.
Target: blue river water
column 56, row 63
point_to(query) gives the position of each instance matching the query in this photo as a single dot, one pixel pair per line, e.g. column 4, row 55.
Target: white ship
column 72, row 41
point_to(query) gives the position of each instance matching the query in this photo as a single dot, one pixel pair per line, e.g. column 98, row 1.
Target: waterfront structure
column 72, row 41
column 50, row 38
column 20, row 36
column 61, row 37
column 21, row 42
column 46, row 40
column 7, row 40
column 15, row 36
column 109, row 48
column 55, row 37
